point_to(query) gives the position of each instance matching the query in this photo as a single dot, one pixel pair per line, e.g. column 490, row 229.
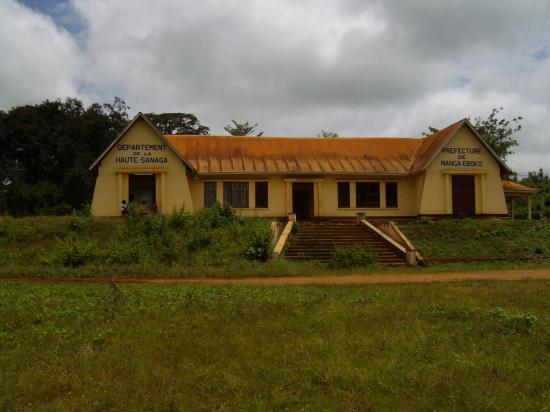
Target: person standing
column 123, row 208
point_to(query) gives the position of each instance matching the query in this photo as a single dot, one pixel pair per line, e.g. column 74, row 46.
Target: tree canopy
column 327, row 133
column 499, row 133
column 47, row 149
column 178, row 123
column 242, row 129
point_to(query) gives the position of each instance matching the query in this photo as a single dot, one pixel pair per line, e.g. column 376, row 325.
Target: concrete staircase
column 316, row 241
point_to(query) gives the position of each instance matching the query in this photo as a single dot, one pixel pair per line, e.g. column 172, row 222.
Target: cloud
column 358, row 67
column 39, row 60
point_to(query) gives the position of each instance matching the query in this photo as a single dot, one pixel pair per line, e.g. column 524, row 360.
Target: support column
column 318, row 204
column 288, row 198
column 448, row 189
column 529, row 207
column 513, row 209
column 482, row 203
column 163, row 205
column 119, row 191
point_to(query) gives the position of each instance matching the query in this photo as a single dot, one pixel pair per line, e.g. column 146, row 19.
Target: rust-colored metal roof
column 287, row 155
column 514, row 187
column 314, row 155
column 430, row 145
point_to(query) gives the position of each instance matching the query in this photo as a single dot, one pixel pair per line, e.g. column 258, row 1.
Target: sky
column 356, row 67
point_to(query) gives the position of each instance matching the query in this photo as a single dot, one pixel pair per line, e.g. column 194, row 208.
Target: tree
column 538, row 177
column 47, row 149
column 327, row 133
column 498, row 133
column 541, row 199
column 242, row 129
column 178, row 123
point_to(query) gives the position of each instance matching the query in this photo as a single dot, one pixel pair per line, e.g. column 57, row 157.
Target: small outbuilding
column 452, row 172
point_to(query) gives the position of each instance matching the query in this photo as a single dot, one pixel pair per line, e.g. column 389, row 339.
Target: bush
column 347, row 257
column 519, row 324
column 72, row 252
column 257, row 248
column 77, row 222
column 178, row 219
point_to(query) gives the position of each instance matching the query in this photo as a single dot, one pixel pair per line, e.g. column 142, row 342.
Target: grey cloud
column 358, row 67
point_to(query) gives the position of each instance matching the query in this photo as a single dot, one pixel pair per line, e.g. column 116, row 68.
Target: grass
column 485, row 238
column 457, row 346
column 219, row 243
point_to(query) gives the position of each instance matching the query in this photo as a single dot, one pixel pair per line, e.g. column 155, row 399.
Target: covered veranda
column 514, row 191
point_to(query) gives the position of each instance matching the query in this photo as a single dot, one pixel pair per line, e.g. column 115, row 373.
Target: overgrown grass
column 470, row 238
column 466, row 346
column 219, row 243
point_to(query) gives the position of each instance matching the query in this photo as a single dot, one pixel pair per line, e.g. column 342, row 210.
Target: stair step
column 317, row 241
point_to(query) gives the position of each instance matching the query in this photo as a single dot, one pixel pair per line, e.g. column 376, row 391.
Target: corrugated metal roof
column 515, row 187
column 315, row 155
column 230, row 154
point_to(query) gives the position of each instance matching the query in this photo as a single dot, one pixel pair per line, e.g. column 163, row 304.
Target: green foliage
column 196, row 347
column 500, row 134
column 472, row 238
column 352, row 256
column 210, row 238
column 178, row 123
column 72, row 252
column 327, row 133
column 242, row 129
column 258, row 243
column 520, row 324
column 47, row 149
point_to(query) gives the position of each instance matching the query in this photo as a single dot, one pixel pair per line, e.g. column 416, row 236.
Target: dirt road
column 319, row 280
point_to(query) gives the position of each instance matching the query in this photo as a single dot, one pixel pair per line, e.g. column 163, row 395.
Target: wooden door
column 464, row 195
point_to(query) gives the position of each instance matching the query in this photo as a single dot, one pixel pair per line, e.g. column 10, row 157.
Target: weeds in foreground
column 346, row 257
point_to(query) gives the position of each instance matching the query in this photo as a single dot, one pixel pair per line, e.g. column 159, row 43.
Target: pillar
column 119, row 190
column 163, row 205
column 529, row 207
column 318, row 201
column 288, row 197
column 513, row 209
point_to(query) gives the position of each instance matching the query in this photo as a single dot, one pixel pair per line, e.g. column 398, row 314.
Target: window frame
column 246, row 197
column 367, row 205
column 348, row 183
column 396, row 195
column 256, row 194
column 215, row 184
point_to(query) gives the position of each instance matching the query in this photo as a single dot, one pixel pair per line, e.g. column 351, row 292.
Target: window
column 343, row 194
column 391, row 194
column 209, row 194
column 235, row 194
column 367, row 194
column 261, row 195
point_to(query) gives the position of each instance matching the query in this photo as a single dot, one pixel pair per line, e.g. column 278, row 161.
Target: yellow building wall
column 428, row 193
column 171, row 176
column 437, row 188
column 325, row 190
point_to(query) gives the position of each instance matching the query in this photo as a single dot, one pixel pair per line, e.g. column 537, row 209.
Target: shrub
column 178, row 219
column 72, row 252
column 348, row 257
column 426, row 220
column 257, row 248
column 77, row 222
column 519, row 324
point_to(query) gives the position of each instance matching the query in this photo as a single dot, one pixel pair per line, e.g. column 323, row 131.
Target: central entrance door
column 302, row 200
column 142, row 189
column 464, row 195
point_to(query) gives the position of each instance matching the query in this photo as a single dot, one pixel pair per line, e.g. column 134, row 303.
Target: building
column 451, row 172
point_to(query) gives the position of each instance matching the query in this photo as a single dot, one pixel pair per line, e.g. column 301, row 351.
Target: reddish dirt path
column 318, row 280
